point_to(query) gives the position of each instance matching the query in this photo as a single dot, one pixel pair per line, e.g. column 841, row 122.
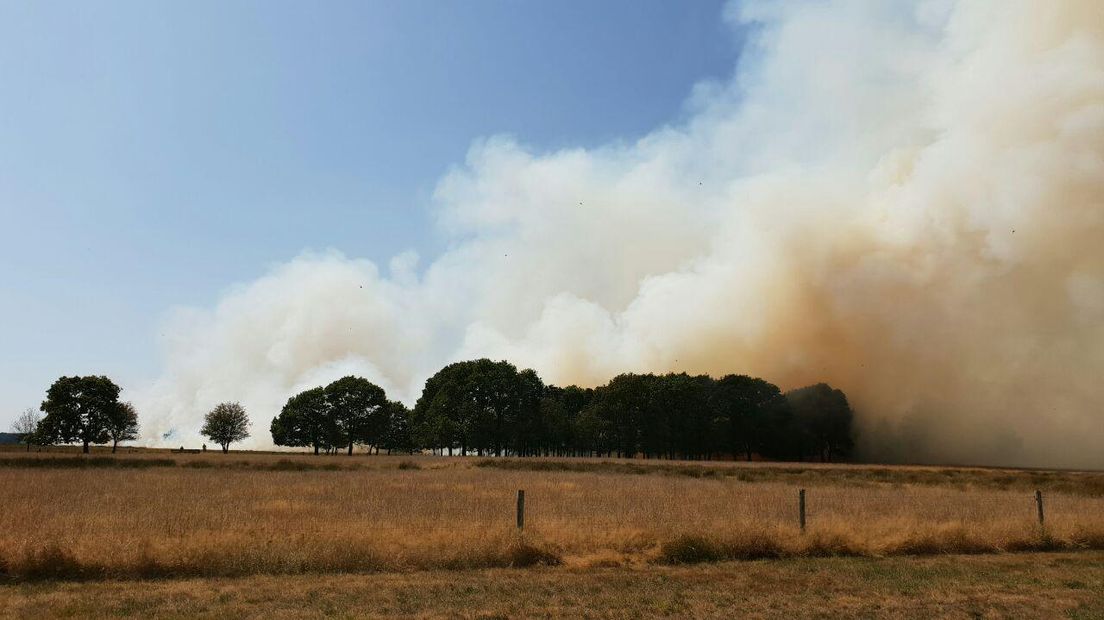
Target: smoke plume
column 905, row 201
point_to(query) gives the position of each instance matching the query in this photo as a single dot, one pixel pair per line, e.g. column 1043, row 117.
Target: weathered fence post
column 1039, row 504
column 520, row 509
column 801, row 508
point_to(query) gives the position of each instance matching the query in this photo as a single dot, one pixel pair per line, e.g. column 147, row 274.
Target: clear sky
column 153, row 154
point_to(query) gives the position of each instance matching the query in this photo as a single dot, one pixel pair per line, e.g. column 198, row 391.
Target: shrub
column 689, row 549
column 46, row 561
column 522, row 554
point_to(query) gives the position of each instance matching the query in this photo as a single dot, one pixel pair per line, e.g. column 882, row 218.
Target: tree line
column 484, row 407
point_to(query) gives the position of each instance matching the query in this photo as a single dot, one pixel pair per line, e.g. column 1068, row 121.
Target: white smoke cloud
column 904, row 200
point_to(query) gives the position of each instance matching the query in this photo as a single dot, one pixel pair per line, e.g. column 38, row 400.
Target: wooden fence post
column 520, row 509
column 1039, row 504
column 801, row 508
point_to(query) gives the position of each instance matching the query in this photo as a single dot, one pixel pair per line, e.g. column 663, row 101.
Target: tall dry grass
column 432, row 513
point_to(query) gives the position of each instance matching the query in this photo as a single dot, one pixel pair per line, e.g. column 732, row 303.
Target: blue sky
column 153, row 154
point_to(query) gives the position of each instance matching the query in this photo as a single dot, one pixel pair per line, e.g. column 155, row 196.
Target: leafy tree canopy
column 304, row 421
column 477, row 405
column 358, row 412
column 123, row 424
column 823, row 418
column 225, row 424
column 79, row 410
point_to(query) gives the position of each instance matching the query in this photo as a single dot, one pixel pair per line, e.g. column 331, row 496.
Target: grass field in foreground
column 1037, row 585
column 230, row 515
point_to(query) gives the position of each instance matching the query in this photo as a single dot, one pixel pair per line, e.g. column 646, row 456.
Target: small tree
column 122, row 425
column 225, row 424
column 26, row 425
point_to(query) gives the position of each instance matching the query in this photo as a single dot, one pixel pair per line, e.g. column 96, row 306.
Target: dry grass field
column 156, row 514
column 1036, row 585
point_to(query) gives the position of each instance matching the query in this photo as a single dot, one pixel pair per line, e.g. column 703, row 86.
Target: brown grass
column 1069, row 585
column 227, row 515
column 1075, row 482
column 805, row 474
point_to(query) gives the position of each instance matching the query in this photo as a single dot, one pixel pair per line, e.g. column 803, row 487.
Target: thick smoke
column 904, row 201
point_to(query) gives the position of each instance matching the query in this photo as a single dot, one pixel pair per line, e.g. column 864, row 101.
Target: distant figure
column 204, row 447
column 182, row 449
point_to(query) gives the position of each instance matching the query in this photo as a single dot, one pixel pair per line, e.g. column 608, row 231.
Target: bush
column 289, row 465
column 689, row 549
column 522, row 554
column 46, row 561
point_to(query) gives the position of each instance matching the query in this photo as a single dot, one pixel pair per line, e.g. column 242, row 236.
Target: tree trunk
column 114, row 445
column 225, row 448
column 350, row 448
column 316, row 449
column 85, row 447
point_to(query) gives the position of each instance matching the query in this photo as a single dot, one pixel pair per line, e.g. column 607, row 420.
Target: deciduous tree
column 822, row 417
column 79, row 409
column 398, row 436
column 26, row 426
column 477, row 404
column 358, row 410
column 304, row 421
column 122, row 425
column 750, row 413
column 225, row 424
